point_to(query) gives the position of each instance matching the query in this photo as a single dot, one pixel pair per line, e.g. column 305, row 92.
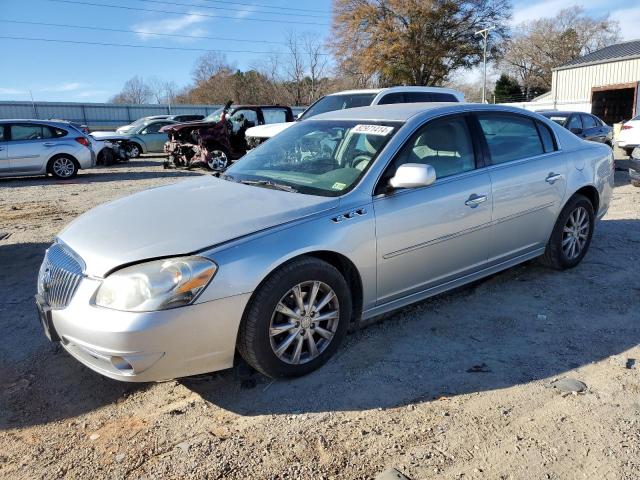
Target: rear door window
column 21, row 132
column 274, row 115
column 574, row 122
column 588, row 121
column 510, row 137
column 397, row 97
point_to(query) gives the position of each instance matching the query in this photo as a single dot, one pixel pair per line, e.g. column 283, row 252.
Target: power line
column 130, row 45
column 139, row 32
column 173, row 12
column 233, row 9
column 265, row 6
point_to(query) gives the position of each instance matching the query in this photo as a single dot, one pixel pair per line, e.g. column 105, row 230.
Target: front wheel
column 134, row 150
column 296, row 320
column 218, row 160
column 571, row 234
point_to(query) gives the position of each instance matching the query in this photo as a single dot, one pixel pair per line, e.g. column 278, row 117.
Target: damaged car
column 219, row 138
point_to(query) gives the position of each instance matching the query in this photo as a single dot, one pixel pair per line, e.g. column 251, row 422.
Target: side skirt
column 368, row 315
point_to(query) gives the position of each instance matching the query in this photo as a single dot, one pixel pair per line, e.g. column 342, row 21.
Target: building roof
column 612, row 53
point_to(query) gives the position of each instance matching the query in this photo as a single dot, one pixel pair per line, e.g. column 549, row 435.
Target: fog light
column 121, row 364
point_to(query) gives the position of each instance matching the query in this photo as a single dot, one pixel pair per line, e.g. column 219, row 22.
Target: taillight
column 626, row 127
column 82, row 141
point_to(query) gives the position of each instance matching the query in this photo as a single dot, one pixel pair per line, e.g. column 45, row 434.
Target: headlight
column 156, row 285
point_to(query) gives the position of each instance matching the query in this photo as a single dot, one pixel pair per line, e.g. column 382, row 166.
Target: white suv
column 629, row 136
column 39, row 147
column 357, row 98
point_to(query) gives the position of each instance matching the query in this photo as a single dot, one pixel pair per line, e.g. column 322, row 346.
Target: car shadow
column 523, row 325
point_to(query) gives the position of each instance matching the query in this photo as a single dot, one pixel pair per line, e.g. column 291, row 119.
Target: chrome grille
column 60, row 275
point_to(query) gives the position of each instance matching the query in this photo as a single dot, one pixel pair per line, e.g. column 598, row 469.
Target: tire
column 218, row 160
column 258, row 340
column 134, row 150
column 63, row 167
column 577, row 216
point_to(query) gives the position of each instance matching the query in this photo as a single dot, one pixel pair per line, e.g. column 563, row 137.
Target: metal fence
column 97, row 116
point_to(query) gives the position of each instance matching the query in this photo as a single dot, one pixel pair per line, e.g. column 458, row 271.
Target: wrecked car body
column 219, row 139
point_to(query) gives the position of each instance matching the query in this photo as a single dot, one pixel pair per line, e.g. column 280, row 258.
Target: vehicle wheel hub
column 575, row 233
column 304, row 322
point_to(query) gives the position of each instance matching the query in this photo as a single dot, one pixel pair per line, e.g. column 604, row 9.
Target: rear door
column 592, row 129
column 528, row 177
column 29, row 146
column 4, row 158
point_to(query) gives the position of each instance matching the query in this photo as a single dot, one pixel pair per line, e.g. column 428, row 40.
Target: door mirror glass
column 413, row 175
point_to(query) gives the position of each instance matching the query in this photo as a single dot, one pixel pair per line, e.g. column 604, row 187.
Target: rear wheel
column 63, row 167
column 571, row 234
column 296, row 320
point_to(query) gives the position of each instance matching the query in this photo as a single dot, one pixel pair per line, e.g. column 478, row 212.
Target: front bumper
column 149, row 346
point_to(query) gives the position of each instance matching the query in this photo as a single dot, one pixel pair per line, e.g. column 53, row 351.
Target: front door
column 241, row 120
column 430, row 235
column 528, row 176
column 153, row 138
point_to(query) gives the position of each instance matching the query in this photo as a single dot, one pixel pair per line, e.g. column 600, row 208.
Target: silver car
column 41, row 147
column 143, row 137
column 333, row 222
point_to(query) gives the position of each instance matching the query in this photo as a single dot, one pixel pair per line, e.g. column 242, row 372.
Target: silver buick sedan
column 333, row 222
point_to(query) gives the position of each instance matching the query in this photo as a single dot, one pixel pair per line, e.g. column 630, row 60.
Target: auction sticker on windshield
column 381, row 130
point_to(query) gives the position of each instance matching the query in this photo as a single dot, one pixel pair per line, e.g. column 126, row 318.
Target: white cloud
column 65, row 87
column 244, row 12
column 11, row 91
column 549, row 8
column 171, row 26
column 629, row 19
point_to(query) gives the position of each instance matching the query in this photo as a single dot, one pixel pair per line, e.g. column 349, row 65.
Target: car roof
column 561, row 112
column 402, row 112
column 32, row 120
column 401, row 88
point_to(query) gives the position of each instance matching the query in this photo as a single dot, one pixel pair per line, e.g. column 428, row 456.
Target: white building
column 604, row 82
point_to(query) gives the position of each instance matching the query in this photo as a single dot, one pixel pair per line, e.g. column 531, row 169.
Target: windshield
column 559, row 119
column 323, row 157
column 331, row 103
column 214, row 117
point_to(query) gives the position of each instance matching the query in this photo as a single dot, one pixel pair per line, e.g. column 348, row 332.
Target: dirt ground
column 457, row 387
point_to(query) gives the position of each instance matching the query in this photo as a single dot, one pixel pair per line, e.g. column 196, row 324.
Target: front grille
column 60, row 275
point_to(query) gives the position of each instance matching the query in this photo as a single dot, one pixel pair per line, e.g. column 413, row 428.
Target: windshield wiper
column 270, row 184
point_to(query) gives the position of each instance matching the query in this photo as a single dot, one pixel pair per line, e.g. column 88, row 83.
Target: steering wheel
column 361, row 161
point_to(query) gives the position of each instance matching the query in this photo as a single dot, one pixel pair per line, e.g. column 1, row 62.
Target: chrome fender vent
column 349, row 215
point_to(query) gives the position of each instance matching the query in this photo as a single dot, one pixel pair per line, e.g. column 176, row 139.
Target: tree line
column 378, row 43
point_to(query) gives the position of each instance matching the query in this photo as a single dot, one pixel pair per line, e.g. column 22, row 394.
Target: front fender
column 244, row 264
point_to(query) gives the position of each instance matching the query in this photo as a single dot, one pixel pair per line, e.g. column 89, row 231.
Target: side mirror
column 577, row 131
column 299, row 115
column 413, row 175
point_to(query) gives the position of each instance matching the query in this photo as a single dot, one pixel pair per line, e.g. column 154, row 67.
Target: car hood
column 102, row 136
column 267, row 131
column 179, row 219
column 180, row 126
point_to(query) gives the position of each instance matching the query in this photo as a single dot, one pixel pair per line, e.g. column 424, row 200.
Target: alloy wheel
column 217, row 160
column 63, row 167
column 304, row 322
column 575, row 233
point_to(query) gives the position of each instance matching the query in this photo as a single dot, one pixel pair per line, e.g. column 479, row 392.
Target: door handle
column 474, row 200
column 50, row 144
column 553, row 177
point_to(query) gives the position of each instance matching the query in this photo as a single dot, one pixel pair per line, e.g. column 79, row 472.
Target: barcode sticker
column 381, row 130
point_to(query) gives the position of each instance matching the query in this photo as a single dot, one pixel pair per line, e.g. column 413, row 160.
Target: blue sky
column 70, row 72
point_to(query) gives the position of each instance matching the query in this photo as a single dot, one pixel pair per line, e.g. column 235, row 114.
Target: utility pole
column 485, row 35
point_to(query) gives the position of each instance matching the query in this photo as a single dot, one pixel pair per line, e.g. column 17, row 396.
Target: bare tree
column 208, row 65
column 537, row 47
column 135, row 91
column 295, row 68
column 162, row 91
column 317, row 64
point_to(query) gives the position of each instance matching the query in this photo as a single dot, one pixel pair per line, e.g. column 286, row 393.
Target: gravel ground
column 455, row 387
